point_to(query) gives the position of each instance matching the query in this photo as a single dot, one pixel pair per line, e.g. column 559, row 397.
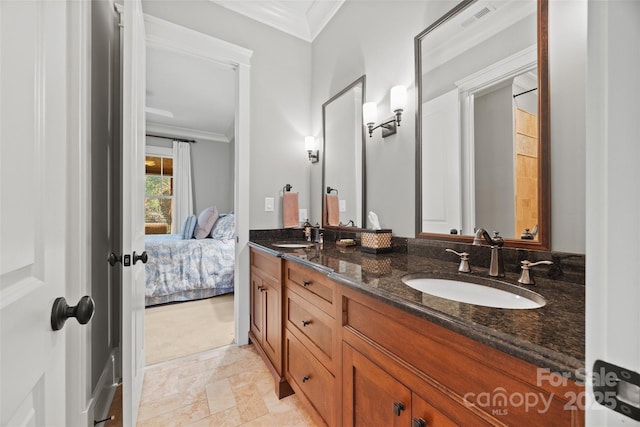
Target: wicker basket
column 375, row 241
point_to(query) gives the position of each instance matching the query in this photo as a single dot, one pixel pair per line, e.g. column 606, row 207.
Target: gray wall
column 494, row 162
column 280, row 91
column 104, row 154
column 211, row 173
column 290, row 80
column 376, row 38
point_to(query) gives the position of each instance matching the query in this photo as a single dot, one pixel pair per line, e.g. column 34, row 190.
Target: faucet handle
column 526, row 278
column 464, row 261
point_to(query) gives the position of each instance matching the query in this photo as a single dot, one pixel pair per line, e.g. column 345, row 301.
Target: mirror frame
column 544, row 166
column 360, row 80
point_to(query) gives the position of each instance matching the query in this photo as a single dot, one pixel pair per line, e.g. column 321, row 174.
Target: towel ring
column 329, row 190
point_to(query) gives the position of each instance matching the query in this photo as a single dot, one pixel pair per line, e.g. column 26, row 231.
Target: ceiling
column 189, row 97
column 300, row 18
column 193, row 98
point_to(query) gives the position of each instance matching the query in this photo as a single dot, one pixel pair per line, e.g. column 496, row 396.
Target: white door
column 613, row 211
column 133, row 141
column 441, row 196
column 38, row 166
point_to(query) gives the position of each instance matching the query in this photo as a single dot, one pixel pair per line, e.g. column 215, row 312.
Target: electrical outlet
column 302, row 215
column 268, row 204
column 343, row 205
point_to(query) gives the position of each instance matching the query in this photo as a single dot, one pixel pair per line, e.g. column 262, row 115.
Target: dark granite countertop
column 549, row 337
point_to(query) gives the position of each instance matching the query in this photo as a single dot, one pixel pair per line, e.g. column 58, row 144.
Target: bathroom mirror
column 482, row 128
column 344, row 156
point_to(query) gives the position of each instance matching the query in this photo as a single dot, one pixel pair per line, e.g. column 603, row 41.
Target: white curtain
column 182, row 188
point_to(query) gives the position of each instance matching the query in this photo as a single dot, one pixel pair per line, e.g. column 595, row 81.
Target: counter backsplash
column 567, row 267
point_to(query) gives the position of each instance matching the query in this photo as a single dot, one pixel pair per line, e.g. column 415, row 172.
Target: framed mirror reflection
column 482, row 128
column 343, row 174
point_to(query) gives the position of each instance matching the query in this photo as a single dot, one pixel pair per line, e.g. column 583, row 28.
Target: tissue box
column 375, row 241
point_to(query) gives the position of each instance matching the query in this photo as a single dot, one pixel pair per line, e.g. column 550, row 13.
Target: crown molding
column 293, row 20
column 185, row 133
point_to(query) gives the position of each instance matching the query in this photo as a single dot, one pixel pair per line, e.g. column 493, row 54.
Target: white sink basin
column 293, row 245
column 503, row 295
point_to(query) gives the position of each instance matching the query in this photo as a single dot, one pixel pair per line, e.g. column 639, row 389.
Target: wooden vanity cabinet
column 355, row 360
column 265, row 314
column 311, row 354
column 451, row 378
column 372, row 395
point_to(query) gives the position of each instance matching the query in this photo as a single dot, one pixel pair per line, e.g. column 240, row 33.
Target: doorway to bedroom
column 189, row 204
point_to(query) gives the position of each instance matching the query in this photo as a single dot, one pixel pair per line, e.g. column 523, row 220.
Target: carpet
column 180, row 329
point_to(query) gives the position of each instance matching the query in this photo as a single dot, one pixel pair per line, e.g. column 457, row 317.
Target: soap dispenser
column 307, row 230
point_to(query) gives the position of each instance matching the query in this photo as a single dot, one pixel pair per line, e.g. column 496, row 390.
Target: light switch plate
column 302, row 215
column 268, row 204
column 343, row 205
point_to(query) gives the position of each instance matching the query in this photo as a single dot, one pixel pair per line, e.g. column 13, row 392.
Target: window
column 158, row 194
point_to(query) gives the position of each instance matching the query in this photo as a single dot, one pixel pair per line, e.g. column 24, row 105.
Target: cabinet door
column 372, row 397
column 425, row 415
column 256, row 312
column 272, row 323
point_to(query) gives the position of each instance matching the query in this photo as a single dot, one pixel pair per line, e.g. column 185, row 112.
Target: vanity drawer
column 312, row 285
column 312, row 326
column 268, row 264
column 308, row 377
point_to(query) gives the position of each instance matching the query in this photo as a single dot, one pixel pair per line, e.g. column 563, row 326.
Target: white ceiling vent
column 482, row 12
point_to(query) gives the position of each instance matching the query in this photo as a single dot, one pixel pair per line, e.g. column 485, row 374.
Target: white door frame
column 613, row 200
column 79, row 403
column 166, row 35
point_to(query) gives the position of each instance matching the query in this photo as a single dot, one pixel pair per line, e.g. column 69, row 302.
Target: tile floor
column 229, row 386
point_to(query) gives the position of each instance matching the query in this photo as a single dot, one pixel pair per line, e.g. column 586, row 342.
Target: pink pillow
column 206, row 219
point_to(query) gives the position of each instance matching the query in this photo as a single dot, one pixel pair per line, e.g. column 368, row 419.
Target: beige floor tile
column 226, row 387
column 249, row 402
column 220, row 396
column 160, row 407
column 182, row 416
column 227, row 418
column 263, row 421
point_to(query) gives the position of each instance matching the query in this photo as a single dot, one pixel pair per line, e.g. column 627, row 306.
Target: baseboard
column 100, row 403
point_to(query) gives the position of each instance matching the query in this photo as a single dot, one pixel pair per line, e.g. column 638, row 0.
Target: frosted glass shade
column 398, row 98
column 370, row 112
column 309, row 143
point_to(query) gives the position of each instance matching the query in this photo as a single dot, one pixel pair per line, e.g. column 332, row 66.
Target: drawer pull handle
column 306, row 283
column 397, row 408
column 306, row 323
column 304, row 378
column 418, row 422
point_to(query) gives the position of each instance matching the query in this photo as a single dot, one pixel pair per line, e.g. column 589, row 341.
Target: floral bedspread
column 182, row 270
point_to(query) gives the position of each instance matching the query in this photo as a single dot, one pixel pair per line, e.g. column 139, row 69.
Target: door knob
column 60, row 312
column 113, row 259
column 142, row 257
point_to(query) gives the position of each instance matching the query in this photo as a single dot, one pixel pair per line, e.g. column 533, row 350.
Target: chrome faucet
column 526, row 278
column 464, row 261
column 496, row 268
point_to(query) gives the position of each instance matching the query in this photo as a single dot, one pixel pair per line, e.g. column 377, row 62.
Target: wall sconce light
column 310, row 146
column 398, row 98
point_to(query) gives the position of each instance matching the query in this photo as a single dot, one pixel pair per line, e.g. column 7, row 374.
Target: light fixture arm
column 313, row 156
column 388, row 126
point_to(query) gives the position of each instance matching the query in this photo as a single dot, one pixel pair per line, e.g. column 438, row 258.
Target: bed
column 184, row 269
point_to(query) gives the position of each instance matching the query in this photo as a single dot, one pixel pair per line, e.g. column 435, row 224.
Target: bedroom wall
column 212, row 173
column 376, row 38
column 280, row 92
